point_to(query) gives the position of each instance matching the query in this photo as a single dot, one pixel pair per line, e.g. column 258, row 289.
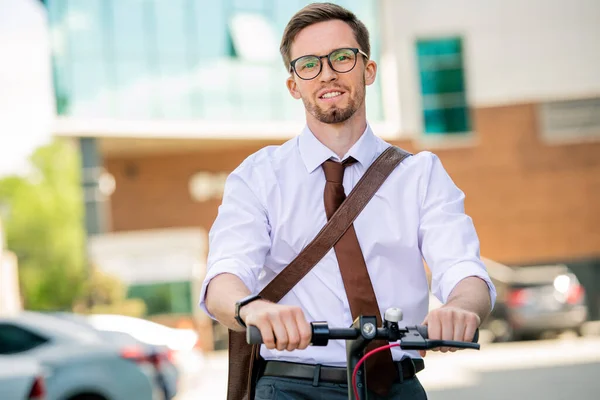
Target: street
column 558, row 369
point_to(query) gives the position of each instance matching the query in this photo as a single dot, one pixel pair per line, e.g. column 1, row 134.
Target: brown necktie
column 380, row 368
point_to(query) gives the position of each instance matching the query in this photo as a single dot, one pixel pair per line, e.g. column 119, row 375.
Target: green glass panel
column 163, row 59
column 428, row 47
column 442, row 84
column 447, row 121
column 445, row 81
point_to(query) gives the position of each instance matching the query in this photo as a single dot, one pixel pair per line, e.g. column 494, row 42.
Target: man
column 276, row 202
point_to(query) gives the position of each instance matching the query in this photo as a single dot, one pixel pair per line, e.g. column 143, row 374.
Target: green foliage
column 43, row 220
column 108, row 295
column 43, row 215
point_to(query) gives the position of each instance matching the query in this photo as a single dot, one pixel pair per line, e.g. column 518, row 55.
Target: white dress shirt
column 273, row 207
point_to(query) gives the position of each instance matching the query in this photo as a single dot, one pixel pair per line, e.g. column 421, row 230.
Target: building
column 505, row 92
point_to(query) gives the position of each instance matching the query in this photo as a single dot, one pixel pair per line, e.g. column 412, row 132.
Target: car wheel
column 87, row 396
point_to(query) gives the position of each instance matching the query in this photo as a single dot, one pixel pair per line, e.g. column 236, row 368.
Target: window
column 567, row 121
column 181, row 59
column 442, row 84
column 15, row 340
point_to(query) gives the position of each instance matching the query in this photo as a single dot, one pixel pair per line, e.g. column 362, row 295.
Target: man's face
column 332, row 97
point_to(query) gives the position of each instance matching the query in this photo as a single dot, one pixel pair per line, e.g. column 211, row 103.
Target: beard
column 333, row 114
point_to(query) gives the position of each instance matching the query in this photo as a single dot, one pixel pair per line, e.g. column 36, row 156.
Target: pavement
column 567, row 367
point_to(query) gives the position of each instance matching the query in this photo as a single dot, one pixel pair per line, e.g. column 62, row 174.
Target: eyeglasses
column 340, row 60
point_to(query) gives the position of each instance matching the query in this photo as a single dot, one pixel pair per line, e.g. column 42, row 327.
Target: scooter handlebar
column 253, row 336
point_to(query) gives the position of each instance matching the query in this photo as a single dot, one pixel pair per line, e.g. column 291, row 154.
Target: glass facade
column 442, row 79
column 181, row 59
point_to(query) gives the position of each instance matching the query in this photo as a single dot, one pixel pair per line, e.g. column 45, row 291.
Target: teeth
column 330, row 95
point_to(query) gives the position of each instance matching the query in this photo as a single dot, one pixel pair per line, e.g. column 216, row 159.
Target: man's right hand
column 282, row 327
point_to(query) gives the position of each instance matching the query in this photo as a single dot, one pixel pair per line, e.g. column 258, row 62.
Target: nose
column 327, row 73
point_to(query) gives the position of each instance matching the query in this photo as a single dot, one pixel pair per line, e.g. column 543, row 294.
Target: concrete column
column 95, row 201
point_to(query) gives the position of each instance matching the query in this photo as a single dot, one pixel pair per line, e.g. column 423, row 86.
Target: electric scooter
column 361, row 333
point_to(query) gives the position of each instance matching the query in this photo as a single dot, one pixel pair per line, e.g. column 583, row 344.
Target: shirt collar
column 314, row 153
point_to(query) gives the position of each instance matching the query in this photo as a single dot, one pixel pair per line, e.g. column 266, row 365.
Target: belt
column 407, row 368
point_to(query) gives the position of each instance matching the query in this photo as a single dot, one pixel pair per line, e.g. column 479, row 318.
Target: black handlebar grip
column 253, row 335
column 422, row 329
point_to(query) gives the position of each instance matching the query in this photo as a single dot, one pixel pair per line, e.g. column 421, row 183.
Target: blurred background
column 120, row 120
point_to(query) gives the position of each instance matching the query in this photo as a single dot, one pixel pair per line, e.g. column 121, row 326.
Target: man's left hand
column 451, row 323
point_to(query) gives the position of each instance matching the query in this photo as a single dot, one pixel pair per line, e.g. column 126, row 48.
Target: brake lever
column 413, row 340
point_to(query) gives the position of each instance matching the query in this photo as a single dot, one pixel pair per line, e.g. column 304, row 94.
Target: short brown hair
column 321, row 12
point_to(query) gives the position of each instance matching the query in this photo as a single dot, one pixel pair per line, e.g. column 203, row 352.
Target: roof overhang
column 195, row 129
column 142, row 137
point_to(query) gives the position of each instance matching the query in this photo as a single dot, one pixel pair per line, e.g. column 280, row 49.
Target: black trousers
column 278, row 388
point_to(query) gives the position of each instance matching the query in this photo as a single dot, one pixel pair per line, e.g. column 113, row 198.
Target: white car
column 127, row 332
column 78, row 363
column 21, row 378
column 169, row 341
column 146, row 331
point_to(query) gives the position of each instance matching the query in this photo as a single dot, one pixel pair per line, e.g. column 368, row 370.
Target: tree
column 109, row 296
column 43, row 215
column 44, row 224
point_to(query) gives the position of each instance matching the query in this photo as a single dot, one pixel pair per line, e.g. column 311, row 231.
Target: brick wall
column 530, row 202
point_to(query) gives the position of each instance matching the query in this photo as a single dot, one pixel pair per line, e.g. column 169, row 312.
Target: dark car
column 533, row 300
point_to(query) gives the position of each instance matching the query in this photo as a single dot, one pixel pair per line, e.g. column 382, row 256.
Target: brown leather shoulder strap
column 333, row 230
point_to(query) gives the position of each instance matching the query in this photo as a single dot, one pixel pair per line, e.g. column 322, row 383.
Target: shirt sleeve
column 240, row 236
column 447, row 236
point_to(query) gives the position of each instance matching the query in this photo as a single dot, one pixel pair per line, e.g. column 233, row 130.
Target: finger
column 423, row 353
column 447, row 321
column 471, row 326
column 459, row 330
column 291, row 328
column 434, row 328
column 304, row 329
column 281, row 338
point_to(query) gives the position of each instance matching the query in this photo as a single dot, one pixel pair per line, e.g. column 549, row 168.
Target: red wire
column 363, row 359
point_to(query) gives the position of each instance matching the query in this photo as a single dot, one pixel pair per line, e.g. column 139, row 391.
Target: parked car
column 160, row 356
column 533, row 300
column 162, row 341
column 79, row 364
column 147, row 331
column 21, row 378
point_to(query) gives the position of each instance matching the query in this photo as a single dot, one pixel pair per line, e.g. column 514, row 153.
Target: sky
column 26, row 98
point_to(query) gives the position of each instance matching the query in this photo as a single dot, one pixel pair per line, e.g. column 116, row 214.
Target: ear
column 370, row 72
column 293, row 87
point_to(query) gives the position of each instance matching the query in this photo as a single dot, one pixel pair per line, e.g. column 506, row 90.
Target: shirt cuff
column 222, row 267
column 461, row 271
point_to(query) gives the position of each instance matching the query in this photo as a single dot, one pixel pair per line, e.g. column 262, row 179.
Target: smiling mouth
column 331, row 95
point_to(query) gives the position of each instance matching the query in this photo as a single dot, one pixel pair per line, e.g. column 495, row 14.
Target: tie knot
column 334, row 171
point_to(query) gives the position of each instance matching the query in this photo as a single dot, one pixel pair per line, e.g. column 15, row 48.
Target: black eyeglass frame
column 355, row 50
